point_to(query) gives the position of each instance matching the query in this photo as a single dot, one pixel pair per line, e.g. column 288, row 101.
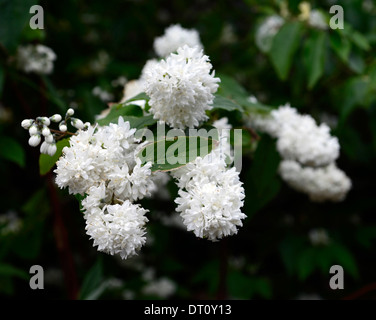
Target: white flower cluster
column 181, row 88
column 40, row 127
column 321, row 184
column 175, row 37
column 35, row 58
column 266, row 32
column 210, row 197
column 101, row 162
column 309, row 153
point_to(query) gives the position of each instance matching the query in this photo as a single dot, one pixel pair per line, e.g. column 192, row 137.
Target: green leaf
column 315, row 57
column 285, row 44
column 46, row 162
column 120, row 110
column 92, row 281
column 351, row 94
column 14, row 16
column 166, row 155
column 11, row 271
column 359, row 40
column 306, row 263
column 262, row 181
column 290, row 250
column 231, row 89
column 226, row 104
column 341, row 45
column 2, row 76
column 11, row 150
column 343, row 257
column 140, row 96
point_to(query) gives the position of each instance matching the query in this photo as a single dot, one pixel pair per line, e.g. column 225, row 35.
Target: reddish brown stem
column 62, row 243
column 361, row 292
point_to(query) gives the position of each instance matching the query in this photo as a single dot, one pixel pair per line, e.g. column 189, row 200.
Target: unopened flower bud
column 34, row 140
column 51, row 150
column 63, row 127
column 44, row 120
column 26, row 124
column 44, row 147
column 33, row 130
column 56, row 118
column 70, row 112
column 49, row 138
column 46, row 131
column 77, row 123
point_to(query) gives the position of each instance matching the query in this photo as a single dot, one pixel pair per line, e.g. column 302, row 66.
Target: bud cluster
column 40, row 127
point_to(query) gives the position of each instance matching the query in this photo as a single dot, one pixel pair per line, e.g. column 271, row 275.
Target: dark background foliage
column 271, row 257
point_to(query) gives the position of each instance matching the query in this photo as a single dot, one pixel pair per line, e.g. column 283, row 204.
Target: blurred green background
column 329, row 74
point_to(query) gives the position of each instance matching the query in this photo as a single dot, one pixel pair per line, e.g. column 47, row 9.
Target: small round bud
column 34, row 140
column 49, row 138
column 56, row 118
column 70, row 112
column 26, row 124
column 77, row 123
column 87, row 125
column 46, row 131
column 33, row 130
column 63, row 127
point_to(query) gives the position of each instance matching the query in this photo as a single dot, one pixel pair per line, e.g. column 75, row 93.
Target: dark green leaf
column 166, row 155
column 11, row 271
column 140, row 96
column 11, row 150
column 92, row 282
column 359, row 40
column 306, row 263
column 226, row 104
column 14, row 16
column 285, row 44
column 315, row 57
column 121, row 110
column 343, row 257
column 46, row 162
column 341, row 45
column 231, row 89
column 2, row 76
column 262, row 181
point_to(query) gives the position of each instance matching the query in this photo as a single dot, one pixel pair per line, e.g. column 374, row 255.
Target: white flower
column 210, row 198
column 304, row 141
column 299, row 137
column 105, row 154
column 320, row 184
column 224, row 128
column 117, row 229
column 267, row 30
column 35, row 58
column 162, row 288
column 317, row 20
column 174, row 37
column 181, row 88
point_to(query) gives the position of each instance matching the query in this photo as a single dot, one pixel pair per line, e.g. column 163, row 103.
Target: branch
column 62, row 244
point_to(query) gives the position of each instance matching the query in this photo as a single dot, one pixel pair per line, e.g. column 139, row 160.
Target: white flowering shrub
column 203, row 151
